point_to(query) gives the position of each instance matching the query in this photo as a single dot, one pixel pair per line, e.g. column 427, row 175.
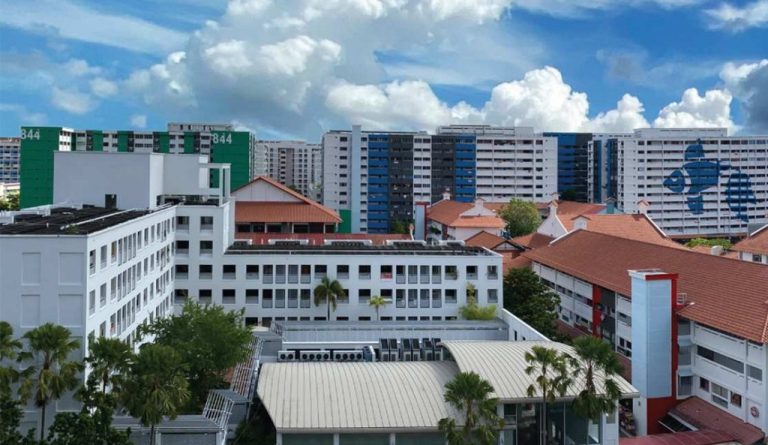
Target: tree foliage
column 109, row 359
column 377, row 302
column 51, row 373
column 709, row 242
column 521, row 217
column 531, row 301
column 481, row 424
column 209, row 341
column 9, row 351
column 92, row 425
column 156, row 386
column 10, row 420
column 472, row 310
column 551, row 369
column 596, row 356
column 10, row 201
column 328, row 292
column 400, row 227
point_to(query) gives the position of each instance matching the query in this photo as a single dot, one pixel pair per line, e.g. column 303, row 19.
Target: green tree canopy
column 481, row 424
column 109, row 359
column 9, row 350
column 377, row 302
column 531, row 300
column 51, row 373
column 551, row 369
column 10, row 201
column 596, row 355
column 209, row 341
column 328, row 292
column 156, row 386
column 521, row 217
column 709, row 242
column 472, row 310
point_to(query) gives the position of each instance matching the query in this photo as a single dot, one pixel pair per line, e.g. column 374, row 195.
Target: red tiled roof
column 728, row 294
column 448, row 213
column 319, row 238
column 756, row 243
column 631, row 226
column 578, row 208
column 701, row 437
column 484, row 239
column 703, row 415
column 533, row 240
column 516, row 262
column 304, row 211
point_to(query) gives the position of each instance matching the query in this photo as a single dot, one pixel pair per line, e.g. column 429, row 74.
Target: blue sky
column 294, row 68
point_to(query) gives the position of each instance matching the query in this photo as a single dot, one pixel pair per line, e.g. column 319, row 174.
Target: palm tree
column 109, row 359
column 328, row 291
column 470, row 394
column 155, row 386
column 552, row 378
column 49, row 348
column 377, row 302
column 9, row 349
column 596, row 356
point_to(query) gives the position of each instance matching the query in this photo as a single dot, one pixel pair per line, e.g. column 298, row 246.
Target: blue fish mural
column 702, row 174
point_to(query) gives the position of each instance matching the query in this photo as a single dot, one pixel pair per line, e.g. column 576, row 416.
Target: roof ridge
column 293, row 193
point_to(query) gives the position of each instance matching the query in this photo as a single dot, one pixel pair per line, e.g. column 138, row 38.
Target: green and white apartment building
column 220, row 142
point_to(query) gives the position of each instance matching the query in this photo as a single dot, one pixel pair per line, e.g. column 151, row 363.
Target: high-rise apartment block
column 296, row 164
column 695, row 181
column 219, row 142
column 375, row 179
column 9, row 159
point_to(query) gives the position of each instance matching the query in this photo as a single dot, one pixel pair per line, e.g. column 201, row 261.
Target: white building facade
column 292, row 163
column 375, row 179
column 698, row 182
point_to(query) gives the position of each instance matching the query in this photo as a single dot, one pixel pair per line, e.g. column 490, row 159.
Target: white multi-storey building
column 375, row 179
column 9, row 159
column 292, row 163
column 98, row 272
column 690, row 325
column 697, row 181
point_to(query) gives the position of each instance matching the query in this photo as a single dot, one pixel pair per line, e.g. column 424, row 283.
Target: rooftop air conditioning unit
column 286, row 356
column 384, row 350
column 452, row 243
column 682, row 298
column 415, row 350
column 405, row 350
column 347, row 356
column 394, row 352
column 427, row 350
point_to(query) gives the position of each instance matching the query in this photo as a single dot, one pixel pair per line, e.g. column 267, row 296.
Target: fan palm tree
column 377, row 302
column 109, row 359
column 9, row 350
column 551, row 369
column 328, row 291
column 596, row 356
column 51, row 373
column 155, row 387
column 470, row 394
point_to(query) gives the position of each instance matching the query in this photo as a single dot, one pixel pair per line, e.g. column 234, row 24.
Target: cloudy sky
column 294, row 68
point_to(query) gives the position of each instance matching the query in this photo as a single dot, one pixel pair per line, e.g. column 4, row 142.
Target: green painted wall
column 232, row 147
column 36, row 165
column 122, row 140
column 163, row 139
column 189, row 142
column 97, row 140
column 346, row 221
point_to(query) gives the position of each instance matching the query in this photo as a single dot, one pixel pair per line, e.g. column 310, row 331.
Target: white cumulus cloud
column 102, row 87
column 738, row 18
column 72, row 100
column 627, row 116
column 139, row 121
column 713, row 109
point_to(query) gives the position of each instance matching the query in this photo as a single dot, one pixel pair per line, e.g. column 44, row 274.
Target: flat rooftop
column 294, row 247
column 69, row 221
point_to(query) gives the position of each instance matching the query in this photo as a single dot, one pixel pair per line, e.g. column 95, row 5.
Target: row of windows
column 125, row 248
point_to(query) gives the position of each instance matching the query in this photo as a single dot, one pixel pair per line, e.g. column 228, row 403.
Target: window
column 280, row 298
column 229, row 271
column 450, row 296
column 451, row 273
column 386, row 272
column 182, row 247
column 205, row 271
column 269, row 274
column 342, row 272
column 267, row 300
column 736, row 399
column 293, row 273
column 280, row 274
column 182, row 271
column 182, row 222
column 493, row 296
column 755, row 373
column 251, row 271
column 719, row 395
column 205, row 296
column 103, row 295
column 493, row 272
column 103, row 256
column 228, row 296
column 757, row 258
column 720, row 359
column 206, row 223
column 364, row 295
column 91, row 302
column 180, row 296
column 684, row 386
column 206, row 247
column 471, row 272
column 321, row 271
column 364, row 272
column 703, row 384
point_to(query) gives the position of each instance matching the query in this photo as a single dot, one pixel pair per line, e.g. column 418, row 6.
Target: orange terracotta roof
column 729, row 294
column 283, row 212
column 484, row 239
column 756, row 243
column 319, row 238
column 701, row 437
column 313, row 208
column 704, row 415
column 533, row 240
column 631, row 226
column 515, row 262
column 448, row 213
column 578, row 208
